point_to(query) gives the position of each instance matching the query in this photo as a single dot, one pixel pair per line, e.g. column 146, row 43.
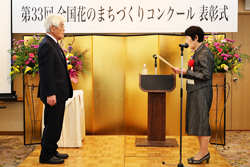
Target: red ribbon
column 191, row 62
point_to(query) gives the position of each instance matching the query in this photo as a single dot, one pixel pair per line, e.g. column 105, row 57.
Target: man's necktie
column 60, row 49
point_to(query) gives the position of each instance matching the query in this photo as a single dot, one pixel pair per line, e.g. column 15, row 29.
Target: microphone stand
column 155, row 56
column 181, row 95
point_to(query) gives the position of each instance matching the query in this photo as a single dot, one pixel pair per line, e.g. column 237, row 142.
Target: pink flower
column 14, row 57
column 31, row 55
column 220, row 50
column 216, row 44
column 30, row 59
column 225, row 58
column 33, row 61
column 35, row 46
column 236, row 55
column 206, row 44
column 27, row 62
column 74, row 79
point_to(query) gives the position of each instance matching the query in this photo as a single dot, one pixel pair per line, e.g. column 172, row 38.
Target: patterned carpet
column 237, row 152
column 12, row 151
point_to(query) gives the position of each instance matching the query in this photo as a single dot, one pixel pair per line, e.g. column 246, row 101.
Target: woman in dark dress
column 199, row 92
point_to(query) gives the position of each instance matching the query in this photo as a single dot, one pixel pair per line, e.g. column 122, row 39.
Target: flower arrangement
column 76, row 63
column 24, row 59
column 227, row 56
column 24, row 56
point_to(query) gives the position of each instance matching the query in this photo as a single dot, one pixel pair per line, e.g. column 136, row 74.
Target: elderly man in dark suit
column 54, row 88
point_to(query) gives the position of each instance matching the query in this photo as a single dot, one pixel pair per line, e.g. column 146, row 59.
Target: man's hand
column 51, row 100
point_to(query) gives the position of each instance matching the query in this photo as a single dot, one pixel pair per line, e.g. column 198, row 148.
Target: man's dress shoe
column 53, row 160
column 63, row 156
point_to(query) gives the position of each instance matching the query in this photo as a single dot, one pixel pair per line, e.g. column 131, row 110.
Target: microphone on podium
column 155, row 56
column 185, row 45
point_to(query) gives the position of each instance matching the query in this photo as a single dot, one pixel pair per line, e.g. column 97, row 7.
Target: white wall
column 11, row 117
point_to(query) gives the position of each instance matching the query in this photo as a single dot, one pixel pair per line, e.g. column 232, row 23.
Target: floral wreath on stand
column 75, row 61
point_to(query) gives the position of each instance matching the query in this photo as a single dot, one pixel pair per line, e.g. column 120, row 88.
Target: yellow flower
column 71, row 54
column 69, row 66
column 16, row 68
column 27, row 69
column 224, row 66
column 12, row 72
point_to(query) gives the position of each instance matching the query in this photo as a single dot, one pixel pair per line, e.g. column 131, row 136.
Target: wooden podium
column 157, row 86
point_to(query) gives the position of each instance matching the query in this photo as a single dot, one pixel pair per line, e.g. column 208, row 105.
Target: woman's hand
column 177, row 70
column 184, row 71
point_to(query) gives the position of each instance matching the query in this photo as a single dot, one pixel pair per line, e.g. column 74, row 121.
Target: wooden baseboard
column 11, row 133
column 20, row 99
column 237, row 130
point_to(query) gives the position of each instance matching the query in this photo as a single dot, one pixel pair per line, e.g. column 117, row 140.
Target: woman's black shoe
column 189, row 159
column 206, row 157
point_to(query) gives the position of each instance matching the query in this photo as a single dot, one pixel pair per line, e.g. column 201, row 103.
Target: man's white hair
column 53, row 19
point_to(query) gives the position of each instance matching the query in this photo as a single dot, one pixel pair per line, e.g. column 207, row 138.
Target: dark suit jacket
column 54, row 77
column 203, row 69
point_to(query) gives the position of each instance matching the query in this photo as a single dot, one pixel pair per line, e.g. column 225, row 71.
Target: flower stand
column 217, row 121
column 32, row 110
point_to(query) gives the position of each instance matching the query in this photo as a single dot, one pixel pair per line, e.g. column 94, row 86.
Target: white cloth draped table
column 73, row 130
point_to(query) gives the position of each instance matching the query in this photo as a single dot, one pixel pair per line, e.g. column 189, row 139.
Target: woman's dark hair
column 192, row 31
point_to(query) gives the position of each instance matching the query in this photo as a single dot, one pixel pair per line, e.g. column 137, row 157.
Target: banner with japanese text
column 127, row 16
